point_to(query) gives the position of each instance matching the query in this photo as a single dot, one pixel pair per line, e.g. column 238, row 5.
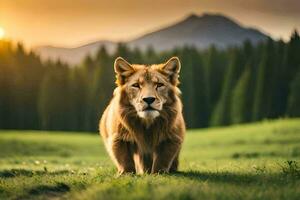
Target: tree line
column 219, row 86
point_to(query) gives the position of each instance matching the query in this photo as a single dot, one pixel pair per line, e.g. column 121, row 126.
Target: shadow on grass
column 46, row 191
column 236, row 178
column 51, row 190
column 29, row 173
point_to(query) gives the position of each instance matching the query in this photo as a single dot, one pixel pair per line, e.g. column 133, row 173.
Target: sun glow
column 2, row 33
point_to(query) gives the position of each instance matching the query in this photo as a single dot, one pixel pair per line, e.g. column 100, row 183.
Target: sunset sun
column 2, row 33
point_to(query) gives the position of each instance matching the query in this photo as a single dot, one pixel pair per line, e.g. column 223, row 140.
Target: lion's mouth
column 149, row 113
column 149, row 108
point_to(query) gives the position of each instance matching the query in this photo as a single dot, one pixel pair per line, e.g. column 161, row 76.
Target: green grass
column 255, row 161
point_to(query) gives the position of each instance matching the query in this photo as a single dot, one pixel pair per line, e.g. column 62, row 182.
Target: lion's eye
column 159, row 85
column 136, row 85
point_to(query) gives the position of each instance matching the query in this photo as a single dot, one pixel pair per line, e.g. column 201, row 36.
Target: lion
column 143, row 127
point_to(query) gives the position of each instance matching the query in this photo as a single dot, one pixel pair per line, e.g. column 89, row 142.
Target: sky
column 71, row 23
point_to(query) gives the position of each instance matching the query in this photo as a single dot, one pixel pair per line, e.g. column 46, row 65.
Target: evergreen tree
column 187, row 86
column 123, row 51
column 102, row 86
column 54, row 101
column 241, row 99
column 215, row 66
column 79, row 88
column 200, row 90
column 263, row 94
column 150, row 56
column 293, row 109
column 6, row 52
column 291, row 67
column 221, row 114
column 137, row 56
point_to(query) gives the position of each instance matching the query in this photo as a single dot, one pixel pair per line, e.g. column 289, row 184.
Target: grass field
column 256, row 161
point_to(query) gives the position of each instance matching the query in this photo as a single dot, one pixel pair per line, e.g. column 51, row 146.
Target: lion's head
column 148, row 89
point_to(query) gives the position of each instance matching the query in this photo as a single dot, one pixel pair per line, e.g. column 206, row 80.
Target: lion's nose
column 149, row 100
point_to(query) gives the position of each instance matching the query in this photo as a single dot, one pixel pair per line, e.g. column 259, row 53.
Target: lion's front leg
column 164, row 156
column 143, row 163
column 123, row 154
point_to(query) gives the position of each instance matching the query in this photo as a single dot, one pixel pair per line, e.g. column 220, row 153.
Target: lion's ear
column 172, row 65
column 172, row 69
column 123, row 70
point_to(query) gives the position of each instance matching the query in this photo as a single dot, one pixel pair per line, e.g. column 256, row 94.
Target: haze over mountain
column 199, row 31
column 73, row 55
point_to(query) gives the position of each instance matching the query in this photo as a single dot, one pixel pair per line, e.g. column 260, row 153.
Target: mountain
column 199, row 31
column 75, row 55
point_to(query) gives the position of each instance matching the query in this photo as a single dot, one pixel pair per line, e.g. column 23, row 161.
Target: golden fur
column 143, row 127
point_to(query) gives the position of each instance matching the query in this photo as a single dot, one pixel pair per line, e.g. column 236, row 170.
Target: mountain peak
column 209, row 17
column 192, row 16
column 213, row 16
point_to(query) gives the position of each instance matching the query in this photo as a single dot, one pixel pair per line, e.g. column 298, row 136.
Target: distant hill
column 73, row 55
column 199, row 31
